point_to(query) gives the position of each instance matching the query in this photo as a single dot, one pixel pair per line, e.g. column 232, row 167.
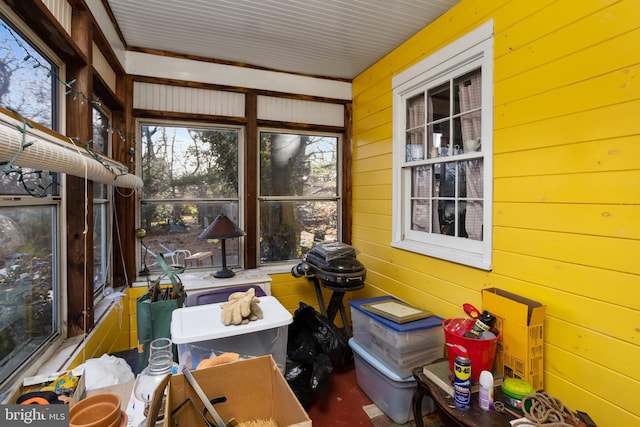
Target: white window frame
column 471, row 51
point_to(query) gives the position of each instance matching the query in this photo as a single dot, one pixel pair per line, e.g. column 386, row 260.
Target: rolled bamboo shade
column 53, row 152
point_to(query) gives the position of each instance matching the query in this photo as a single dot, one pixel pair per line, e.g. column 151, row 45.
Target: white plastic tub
column 199, row 333
column 387, row 390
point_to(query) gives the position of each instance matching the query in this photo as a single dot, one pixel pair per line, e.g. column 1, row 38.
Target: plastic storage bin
column 219, row 295
column 199, row 333
column 401, row 346
column 403, row 363
column 391, row 393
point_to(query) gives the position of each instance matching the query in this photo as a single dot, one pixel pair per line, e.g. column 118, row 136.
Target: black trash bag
column 312, row 333
column 321, row 369
column 315, row 348
column 298, row 376
column 308, row 380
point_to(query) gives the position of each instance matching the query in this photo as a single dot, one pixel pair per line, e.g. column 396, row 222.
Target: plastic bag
column 298, row 376
column 311, row 333
column 315, row 348
column 106, row 371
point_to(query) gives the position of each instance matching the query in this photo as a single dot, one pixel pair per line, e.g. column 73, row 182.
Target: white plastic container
column 391, row 393
column 485, row 396
column 401, row 347
column 199, row 333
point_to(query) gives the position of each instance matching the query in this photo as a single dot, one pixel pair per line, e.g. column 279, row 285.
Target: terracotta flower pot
column 100, row 410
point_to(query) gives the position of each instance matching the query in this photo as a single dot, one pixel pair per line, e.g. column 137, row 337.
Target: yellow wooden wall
column 111, row 334
column 566, row 219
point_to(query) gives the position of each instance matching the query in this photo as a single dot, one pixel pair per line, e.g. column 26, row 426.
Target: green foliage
column 190, row 163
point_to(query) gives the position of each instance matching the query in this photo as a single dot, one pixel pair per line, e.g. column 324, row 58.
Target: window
column 191, row 175
column 29, row 213
column 101, row 201
column 443, row 125
column 299, row 200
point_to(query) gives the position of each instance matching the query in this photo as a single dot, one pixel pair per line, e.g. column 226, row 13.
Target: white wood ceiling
column 332, row 38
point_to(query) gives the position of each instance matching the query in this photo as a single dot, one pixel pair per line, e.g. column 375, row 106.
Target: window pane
column 33, row 182
column 173, row 228
column 421, row 195
column 101, row 254
column 188, row 163
column 27, row 85
column 450, row 191
column 27, row 81
column 438, row 135
column 26, row 283
column 415, row 145
column 99, row 245
column 470, row 129
column 474, row 191
column 468, row 105
column 415, row 122
column 439, row 103
column 100, row 131
column 298, row 165
column 290, row 229
column 468, row 95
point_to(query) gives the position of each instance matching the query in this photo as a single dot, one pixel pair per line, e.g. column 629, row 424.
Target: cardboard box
column 254, row 389
column 520, row 347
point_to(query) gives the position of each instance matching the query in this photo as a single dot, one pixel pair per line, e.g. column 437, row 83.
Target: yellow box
column 520, row 347
column 254, row 389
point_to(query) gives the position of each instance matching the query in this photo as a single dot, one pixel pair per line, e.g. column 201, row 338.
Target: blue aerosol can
column 462, row 382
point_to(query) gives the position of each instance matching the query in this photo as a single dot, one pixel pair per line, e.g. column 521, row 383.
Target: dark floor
column 344, row 406
column 343, row 403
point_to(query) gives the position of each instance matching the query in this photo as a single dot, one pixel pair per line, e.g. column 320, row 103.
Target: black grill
column 334, row 266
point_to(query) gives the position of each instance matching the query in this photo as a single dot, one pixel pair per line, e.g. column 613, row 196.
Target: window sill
column 60, row 352
column 70, row 347
column 459, row 256
column 285, row 268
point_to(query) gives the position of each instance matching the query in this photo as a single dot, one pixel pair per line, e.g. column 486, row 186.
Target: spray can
column 485, row 396
column 484, row 322
column 462, row 382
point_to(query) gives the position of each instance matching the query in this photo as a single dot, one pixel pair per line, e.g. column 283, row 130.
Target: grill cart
column 335, row 267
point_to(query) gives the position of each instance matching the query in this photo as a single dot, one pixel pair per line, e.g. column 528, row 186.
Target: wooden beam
column 124, row 148
column 347, row 160
column 79, row 194
column 251, row 150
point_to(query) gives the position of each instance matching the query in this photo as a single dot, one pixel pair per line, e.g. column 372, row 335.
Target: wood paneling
column 566, row 194
column 183, row 99
column 300, row 111
column 103, row 68
column 61, row 10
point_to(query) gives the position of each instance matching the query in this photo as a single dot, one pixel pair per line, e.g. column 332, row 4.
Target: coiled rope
column 545, row 410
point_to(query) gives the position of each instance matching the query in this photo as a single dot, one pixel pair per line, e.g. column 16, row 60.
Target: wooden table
column 447, row 411
column 198, row 257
